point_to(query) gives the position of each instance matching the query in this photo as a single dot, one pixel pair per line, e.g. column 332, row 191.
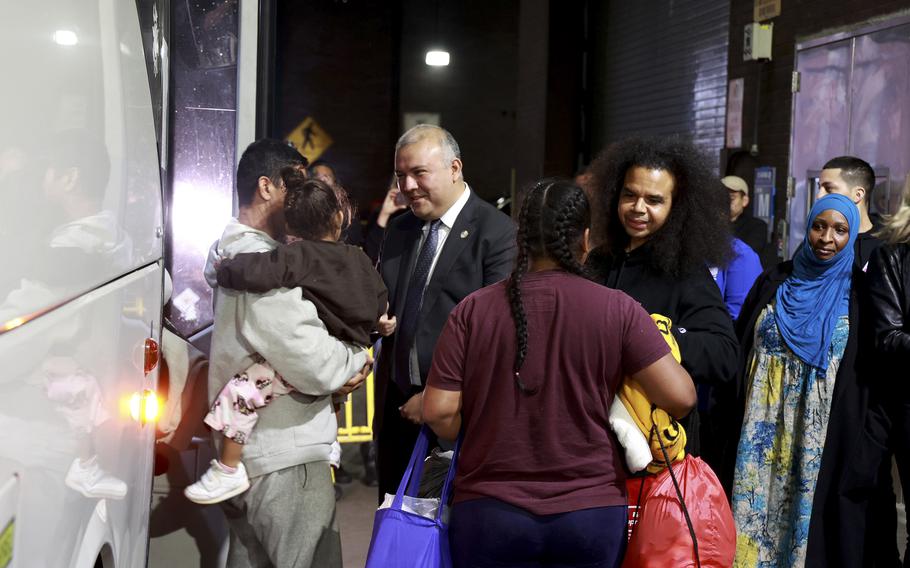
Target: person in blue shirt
column 737, row 278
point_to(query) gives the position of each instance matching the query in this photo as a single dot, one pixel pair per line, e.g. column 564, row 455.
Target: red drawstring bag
column 680, row 520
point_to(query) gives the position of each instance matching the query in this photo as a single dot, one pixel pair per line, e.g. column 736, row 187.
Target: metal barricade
column 352, row 432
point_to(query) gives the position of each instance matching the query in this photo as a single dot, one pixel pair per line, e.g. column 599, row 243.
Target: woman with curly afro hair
column 664, row 221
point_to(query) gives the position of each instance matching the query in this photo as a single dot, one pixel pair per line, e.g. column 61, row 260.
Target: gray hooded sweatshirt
column 282, row 327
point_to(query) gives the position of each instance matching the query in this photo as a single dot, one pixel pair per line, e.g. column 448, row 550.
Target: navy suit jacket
column 479, row 251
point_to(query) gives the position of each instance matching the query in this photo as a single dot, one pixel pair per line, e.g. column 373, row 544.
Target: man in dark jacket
column 666, row 219
column 448, row 245
column 748, row 229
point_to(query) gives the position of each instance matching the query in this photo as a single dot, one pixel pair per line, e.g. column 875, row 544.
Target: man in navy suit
column 448, row 245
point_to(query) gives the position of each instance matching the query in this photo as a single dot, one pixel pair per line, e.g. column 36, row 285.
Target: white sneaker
column 87, row 477
column 217, row 485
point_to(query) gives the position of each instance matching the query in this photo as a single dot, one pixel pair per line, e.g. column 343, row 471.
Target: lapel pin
column 464, row 234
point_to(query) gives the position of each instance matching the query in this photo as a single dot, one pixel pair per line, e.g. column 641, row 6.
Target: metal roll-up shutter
column 659, row 67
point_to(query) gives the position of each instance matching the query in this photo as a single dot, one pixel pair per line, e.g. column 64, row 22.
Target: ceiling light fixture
column 437, row 58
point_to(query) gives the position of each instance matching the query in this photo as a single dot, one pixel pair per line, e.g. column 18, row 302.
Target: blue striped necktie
column 407, row 323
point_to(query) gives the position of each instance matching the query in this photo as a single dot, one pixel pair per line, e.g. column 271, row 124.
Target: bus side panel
column 65, row 424
column 79, row 168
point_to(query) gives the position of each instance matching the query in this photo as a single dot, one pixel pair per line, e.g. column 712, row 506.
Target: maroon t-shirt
column 553, row 451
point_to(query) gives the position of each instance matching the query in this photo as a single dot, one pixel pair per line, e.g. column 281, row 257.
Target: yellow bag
column 645, row 414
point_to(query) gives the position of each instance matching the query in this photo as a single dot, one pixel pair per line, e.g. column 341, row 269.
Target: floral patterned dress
column 787, row 407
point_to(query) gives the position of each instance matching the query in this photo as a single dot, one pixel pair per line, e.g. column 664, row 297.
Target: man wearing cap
column 752, row 231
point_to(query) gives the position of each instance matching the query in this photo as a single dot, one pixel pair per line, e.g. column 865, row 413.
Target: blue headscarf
column 812, row 299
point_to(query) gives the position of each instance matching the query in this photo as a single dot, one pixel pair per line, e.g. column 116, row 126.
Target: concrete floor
column 187, row 535
column 355, row 518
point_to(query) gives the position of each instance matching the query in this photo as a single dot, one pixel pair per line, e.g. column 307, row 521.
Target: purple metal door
column 880, row 111
column 853, row 99
column 820, row 125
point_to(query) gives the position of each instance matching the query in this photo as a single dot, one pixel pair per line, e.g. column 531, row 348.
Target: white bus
column 81, row 271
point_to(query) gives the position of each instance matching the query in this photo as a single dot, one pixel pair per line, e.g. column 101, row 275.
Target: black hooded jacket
column 701, row 323
column 701, row 326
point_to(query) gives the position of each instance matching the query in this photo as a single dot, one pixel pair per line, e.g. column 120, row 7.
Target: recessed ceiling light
column 437, row 58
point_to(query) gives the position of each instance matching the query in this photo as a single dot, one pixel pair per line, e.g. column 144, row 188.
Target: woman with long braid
column 526, row 370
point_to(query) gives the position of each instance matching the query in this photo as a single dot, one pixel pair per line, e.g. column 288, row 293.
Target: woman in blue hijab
column 796, row 329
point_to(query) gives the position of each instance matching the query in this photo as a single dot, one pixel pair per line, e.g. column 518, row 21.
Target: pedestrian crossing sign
column 310, row 139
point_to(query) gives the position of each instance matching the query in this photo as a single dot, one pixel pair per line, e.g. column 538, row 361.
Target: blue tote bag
column 402, row 539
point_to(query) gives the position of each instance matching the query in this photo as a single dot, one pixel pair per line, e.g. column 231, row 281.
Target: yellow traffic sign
column 310, row 139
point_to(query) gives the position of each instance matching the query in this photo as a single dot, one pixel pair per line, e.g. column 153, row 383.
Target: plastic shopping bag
column 402, row 537
column 698, row 531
